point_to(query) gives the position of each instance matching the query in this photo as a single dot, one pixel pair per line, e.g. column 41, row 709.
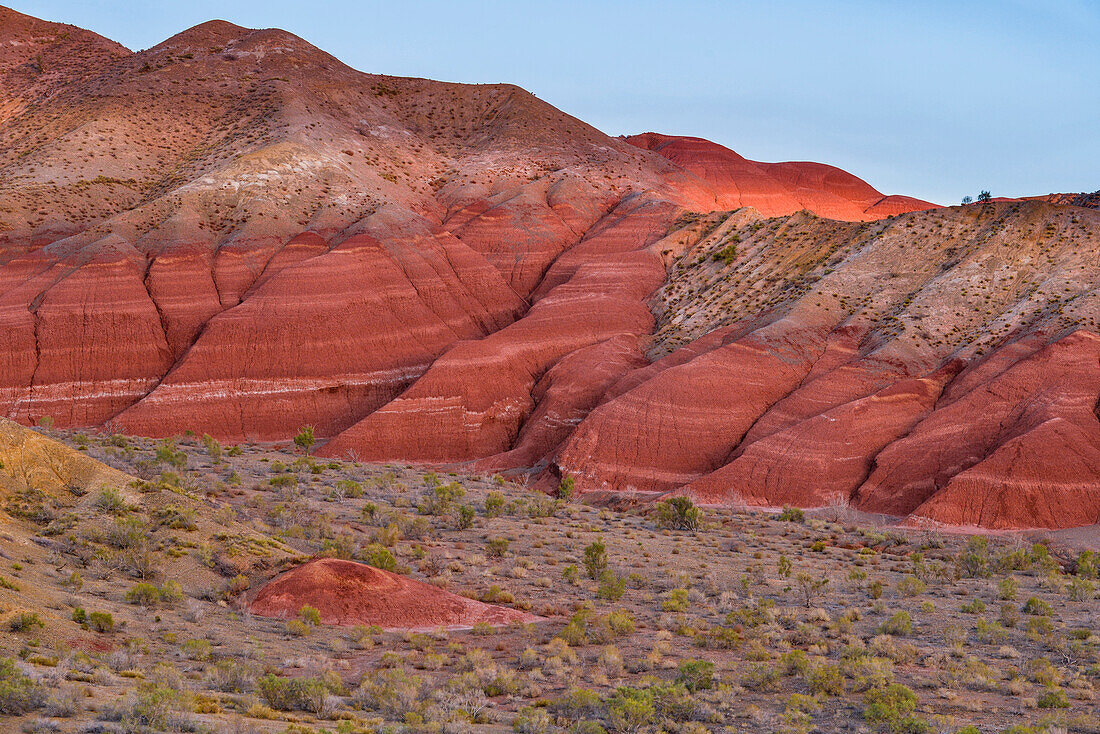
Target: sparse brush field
column 123, row 615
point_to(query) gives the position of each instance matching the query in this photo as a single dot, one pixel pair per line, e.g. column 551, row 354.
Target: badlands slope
column 234, row 233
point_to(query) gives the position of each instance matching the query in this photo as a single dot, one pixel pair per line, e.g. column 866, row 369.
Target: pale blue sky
column 932, row 99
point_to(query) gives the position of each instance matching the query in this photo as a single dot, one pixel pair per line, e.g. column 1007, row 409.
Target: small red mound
column 349, row 593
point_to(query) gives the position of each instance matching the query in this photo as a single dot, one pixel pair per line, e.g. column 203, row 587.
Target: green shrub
column 293, row 694
column 494, row 504
column 726, row 255
column 565, row 489
column 110, row 500
column 532, row 720
column 595, row 559
column 392, row 692
column 305, row 438
column 677, row 601
column 899, row 625
column 891, row 708
column 310, row 615
column 143, row 594
column 911, row 586
column 1054, row 698
column 24, row 621
column 612, row 586
column 464, row 518
column 826, row 679
column 101, row 622
column 379, row 557
column 18, row 692
column 973, row 560
column 792, row 514
column 695, row 675
column 630, row 709
column 197, row 649
column 1037, row 607
column 678, row 513
column 496, row 547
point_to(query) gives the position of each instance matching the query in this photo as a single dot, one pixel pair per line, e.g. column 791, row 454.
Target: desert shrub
column 595, row 559
column 18, row 692
column 464, row 518
column 900, row 625
column 630, row 709
column 811, row 588
column 532, row 720
column 725, row 255
column 156, row 707
column 305, row 438
column 494, row 504
column 973, row 561
column 293, row 694
column 1037, row 607
column 391, row 691
column 309, row 615
column 24, row 621
column 565, row 488
column 911, row 586
column 1087, row 565
column 231, row 676
column 755, row 615
column 695, row 675
column 576, row 703
column 792, row 514
column 143, row 594
column 110, row 500
column 496, row 547
column 378, row 556
column 891, row 708
column 175, row 517
column 101, row 622
column 297, row 628
column 213, row 448
column 783, row 566
column 1053, row 698
column 196, row 649
column 1006, row 588
column 1081, row 589
column 826, row 679
column 677, row 601
column 612, row 586
column 439, row 499
column 678, row 513
column 1043, row 672
column 761, row 678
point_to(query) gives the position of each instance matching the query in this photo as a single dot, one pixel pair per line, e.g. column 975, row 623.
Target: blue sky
column 927, row 98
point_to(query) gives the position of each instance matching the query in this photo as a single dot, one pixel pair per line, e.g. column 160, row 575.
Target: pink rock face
column 776, row 189
column 97, row 344
column 1017, row 450
column 822, row 459
column 446, row 416
column 686, row 420
column 564, row 396
column 348, row 593
column 331, row 338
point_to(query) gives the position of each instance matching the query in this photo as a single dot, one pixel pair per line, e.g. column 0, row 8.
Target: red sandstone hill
column 234, row 233
column 775, row 189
